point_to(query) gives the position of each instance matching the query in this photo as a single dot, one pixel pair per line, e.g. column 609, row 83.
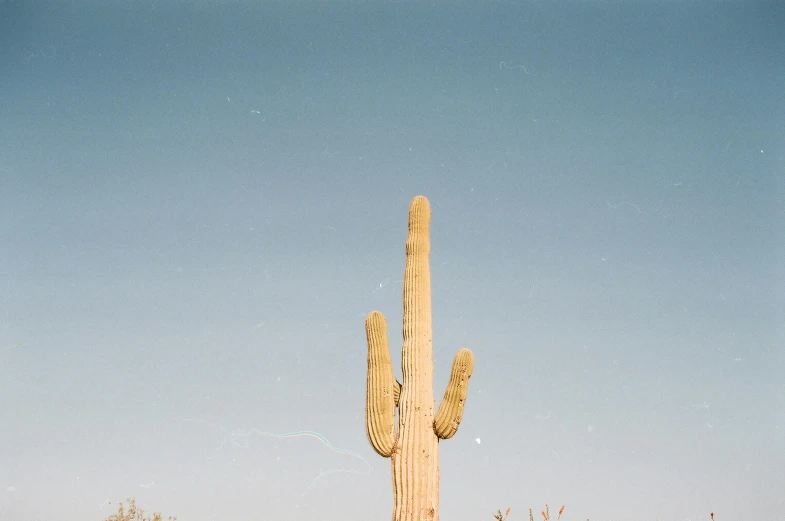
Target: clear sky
column 201, row 201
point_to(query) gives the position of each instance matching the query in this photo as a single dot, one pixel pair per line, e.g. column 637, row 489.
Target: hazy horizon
column 201, row 201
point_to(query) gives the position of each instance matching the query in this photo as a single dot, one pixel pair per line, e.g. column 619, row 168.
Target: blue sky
column 201, row 201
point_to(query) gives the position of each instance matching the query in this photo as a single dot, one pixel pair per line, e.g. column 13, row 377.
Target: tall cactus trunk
column 414, row 445
column 415, row 460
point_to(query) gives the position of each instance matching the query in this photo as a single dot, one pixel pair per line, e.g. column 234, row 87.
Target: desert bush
column 134, row 513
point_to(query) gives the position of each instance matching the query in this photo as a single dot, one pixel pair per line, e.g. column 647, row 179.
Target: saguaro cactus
column 414, row 445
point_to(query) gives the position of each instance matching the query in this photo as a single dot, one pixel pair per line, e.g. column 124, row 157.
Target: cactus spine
column 413, row 446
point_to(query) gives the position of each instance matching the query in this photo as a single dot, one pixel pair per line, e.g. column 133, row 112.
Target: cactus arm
column 450, row 411
column 381, row 388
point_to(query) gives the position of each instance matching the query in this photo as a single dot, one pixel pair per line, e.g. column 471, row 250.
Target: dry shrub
column 134, row 513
